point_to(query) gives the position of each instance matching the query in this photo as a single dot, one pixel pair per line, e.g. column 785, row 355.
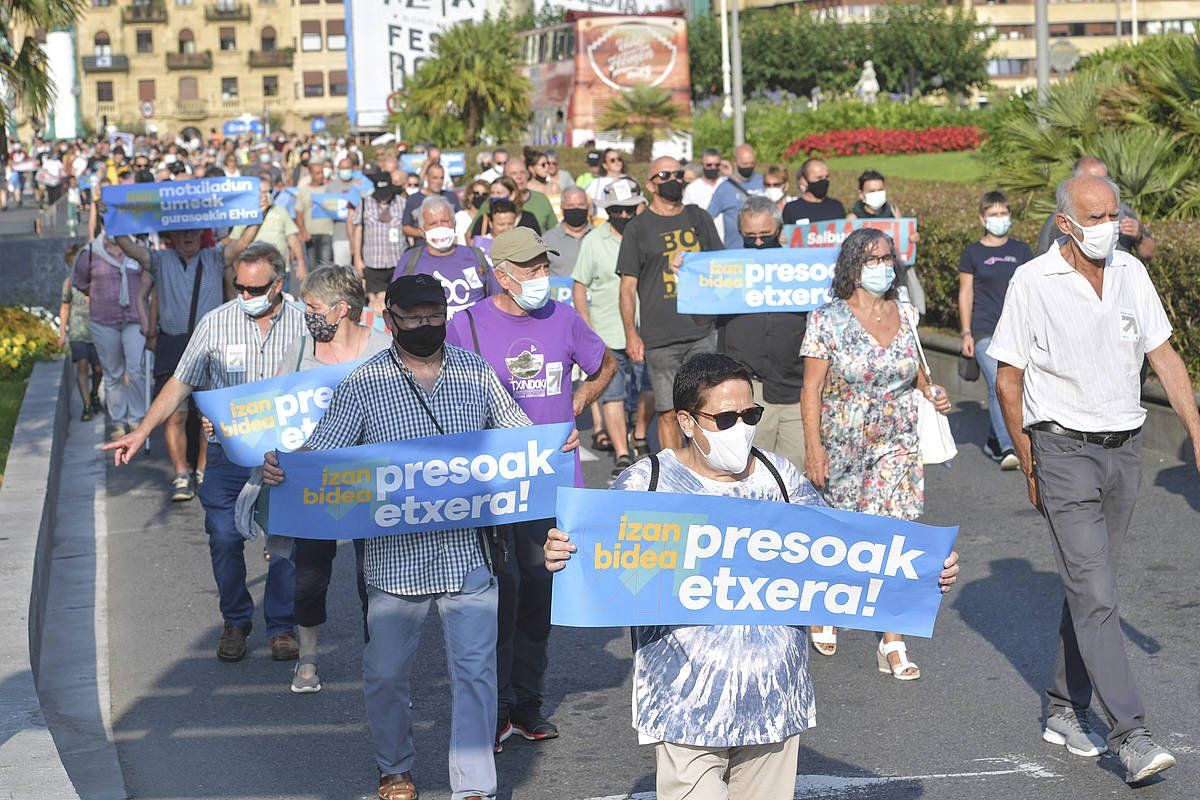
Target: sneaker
column 1142, row 758
column 86, row 416
column 993, row 448
column 181, row 488
column 1009, row 461
column 504, row 729
column 529, row 722
column 302, row 685
column 284, row 647
column 232, row 644
column 1073, row 729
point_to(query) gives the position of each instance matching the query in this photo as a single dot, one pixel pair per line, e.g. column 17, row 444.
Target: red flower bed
column 865, row 141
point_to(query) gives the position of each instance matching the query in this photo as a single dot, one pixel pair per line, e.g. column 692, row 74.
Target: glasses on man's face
column 621, row 211
column 253, row 291
column 759, row 237
column 417, row 320
column 668, row 174
column 727, row 419
column 880, row 261
column 712, row 165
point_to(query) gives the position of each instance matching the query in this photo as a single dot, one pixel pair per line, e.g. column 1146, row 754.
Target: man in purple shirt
column 532, row 342
column 461, row 269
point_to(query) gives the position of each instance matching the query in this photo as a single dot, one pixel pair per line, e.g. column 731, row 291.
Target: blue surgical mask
column 534, row 294
column 877, row 278
column 998, row 226
column 255, row 306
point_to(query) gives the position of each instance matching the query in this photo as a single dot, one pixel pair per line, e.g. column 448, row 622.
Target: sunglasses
column 668, row 174
column 253, row 291
column 614, row 160
column 727, row 419
column 621, row 211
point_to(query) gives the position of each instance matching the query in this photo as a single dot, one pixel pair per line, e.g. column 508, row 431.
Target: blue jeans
column 223, row 481
column 988, row 366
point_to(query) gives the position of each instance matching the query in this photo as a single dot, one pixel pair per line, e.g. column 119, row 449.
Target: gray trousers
column 1088, row 492
column 469, row 627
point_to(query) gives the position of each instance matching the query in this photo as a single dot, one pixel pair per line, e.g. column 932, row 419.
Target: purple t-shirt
column 458, row 271
column 533, row 355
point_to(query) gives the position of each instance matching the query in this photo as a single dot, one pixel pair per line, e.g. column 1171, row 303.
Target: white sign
column 402, row 32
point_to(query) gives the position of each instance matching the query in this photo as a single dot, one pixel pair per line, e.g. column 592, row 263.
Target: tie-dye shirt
column 721, row 685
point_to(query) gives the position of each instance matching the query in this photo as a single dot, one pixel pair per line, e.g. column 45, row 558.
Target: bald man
column 565, row 237
column 728, row 198
column 1076, row 323
column 1135, row 237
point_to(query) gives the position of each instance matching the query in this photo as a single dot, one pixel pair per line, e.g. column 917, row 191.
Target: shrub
column 26, row 335
column 865, row 141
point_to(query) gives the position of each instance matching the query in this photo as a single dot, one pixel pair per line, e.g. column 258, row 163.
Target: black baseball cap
column 411, row 290
column 593, row 158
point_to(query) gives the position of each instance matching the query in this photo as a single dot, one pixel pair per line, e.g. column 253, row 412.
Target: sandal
column 899, row 671
column 602, row 442
column 640, row 447
column 824, row 641
column 397, row 787
column 620, row 464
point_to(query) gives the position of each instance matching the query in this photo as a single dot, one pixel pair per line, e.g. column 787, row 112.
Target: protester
column 861, row 365
column 73, row 332
column 435, row 181
column 315, row 232
column 113, row 281
column 651, row 248
column 496, row 170
column 612, row 166
column 476, row 196
column 984, row 272
column 767, row 345
column 733, row 191
column 775, row 186
column 521, row 325
column 596, row 295
column 564, row 239
column 1076, row 324
column 421, row 387
column 532, row 201
column 378, row 237
column 538, row 164
column 343, row 183
column 698, row 692
column 1134, row 237
column 338, row 293
column 555, row 173
column 461, row 269
column 502, row 189
column 813, row 204
column 239, row 342
column 593, row 166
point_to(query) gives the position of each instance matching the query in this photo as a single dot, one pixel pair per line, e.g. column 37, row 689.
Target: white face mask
column 255, row 306
column 773, row 193
column 1098, row 240
column 998, row 226
column 346, row 174
column 875, row 200
column 534, row 294
column 728, row 450
column 411, row 190
column 440, row 238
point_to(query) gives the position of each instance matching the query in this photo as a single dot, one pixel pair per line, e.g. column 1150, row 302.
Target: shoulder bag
column 933, row 429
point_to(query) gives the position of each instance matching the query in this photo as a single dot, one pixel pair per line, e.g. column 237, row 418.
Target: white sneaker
column 1009, row 461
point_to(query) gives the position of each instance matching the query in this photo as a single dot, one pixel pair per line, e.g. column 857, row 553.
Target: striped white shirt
column 1081, row 354
column 229, row 349
column 376, row 404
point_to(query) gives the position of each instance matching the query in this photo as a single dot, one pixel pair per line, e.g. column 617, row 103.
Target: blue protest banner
column 832, row 232
column 331, row 205
column 460, row 480
column 318, row 124
column 658, row 558
column 562, row 289
column 755, row 281
column 455, row 163
column 286, row 199
column 237, row 127
column 181, row 205
column 272, row 414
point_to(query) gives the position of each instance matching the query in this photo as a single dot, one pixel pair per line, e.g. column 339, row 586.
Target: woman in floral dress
column 861, row 366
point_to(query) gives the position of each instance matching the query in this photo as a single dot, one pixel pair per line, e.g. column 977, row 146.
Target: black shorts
column 82, row 350
column 378, row 280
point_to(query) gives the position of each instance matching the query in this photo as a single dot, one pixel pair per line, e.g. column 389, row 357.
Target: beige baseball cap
column 519, row 245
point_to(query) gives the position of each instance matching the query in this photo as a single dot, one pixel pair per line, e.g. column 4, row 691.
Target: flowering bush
column 863, row 141
column 26, row 334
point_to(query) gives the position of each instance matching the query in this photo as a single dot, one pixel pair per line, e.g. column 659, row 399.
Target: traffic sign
column 395, row 102
column 318, row 124
column 147, row 108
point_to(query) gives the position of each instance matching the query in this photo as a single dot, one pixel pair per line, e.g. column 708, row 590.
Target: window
column 145, row 42
column 104, row 92
column 267, row 39
column 1006, row 67
column 189, row 89
column 183, row 2
column 101, row 3
column 335, row 34
column 310, row 36
column 229, row 89
column 187, row 41
column 103, row 44
column 270, row 86
column 309, row 2
column 338, row 85
column 314, row 84
column 146, row 91
column 228, row 39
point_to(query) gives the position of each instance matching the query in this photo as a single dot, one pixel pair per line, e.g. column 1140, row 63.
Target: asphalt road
column 189, row 726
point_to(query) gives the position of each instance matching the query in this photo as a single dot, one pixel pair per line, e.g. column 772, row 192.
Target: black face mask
column 422, row 342
column 761, row 244
column 819, row 189
column 618, row 223
column 384, row 194
column 746, row 172
column 575, row 217
column 712, row 173
column 671, row 191
column 477, row 200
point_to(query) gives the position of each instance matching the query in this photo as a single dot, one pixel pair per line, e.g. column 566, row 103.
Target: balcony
column 191, row 109
column 227, row 12
column 231, row 106
column 141, row 13
column 189, row 60
column 272, row 58
column 108, row 63
column 106, row 109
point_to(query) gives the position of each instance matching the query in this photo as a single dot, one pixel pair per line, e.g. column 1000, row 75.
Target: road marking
column 587, row 455
column 817, row 786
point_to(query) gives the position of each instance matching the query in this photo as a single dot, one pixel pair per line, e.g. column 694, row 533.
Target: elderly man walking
column 1076, row 323
column 728, row 197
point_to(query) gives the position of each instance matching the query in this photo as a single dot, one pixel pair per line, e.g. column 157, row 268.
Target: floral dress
column 868, row 414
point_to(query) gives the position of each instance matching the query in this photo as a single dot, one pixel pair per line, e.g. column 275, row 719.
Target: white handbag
column 933, row 428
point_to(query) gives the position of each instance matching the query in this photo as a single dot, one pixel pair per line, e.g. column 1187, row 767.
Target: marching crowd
column 817, row 408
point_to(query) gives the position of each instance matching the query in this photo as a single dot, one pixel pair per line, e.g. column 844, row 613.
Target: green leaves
column 643, row 113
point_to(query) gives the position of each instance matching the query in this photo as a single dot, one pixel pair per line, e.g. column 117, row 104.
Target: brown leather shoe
column 397, row 787
column 284, row 647
column 232, row 644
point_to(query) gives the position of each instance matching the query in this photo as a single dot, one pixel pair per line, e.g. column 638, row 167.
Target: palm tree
column 473, row 73
column 643, row 113
column 24, row 71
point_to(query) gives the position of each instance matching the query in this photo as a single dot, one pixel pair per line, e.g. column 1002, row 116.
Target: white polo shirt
column 1081, row 354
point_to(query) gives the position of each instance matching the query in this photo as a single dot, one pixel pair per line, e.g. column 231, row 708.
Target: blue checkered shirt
column 375, row 405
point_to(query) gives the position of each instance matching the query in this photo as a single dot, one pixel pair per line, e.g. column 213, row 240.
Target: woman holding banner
column 724, row 705
column 861, row 364
column 333, row 302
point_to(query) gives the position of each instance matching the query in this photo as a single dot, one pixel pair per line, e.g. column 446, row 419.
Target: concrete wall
column 32, row 270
